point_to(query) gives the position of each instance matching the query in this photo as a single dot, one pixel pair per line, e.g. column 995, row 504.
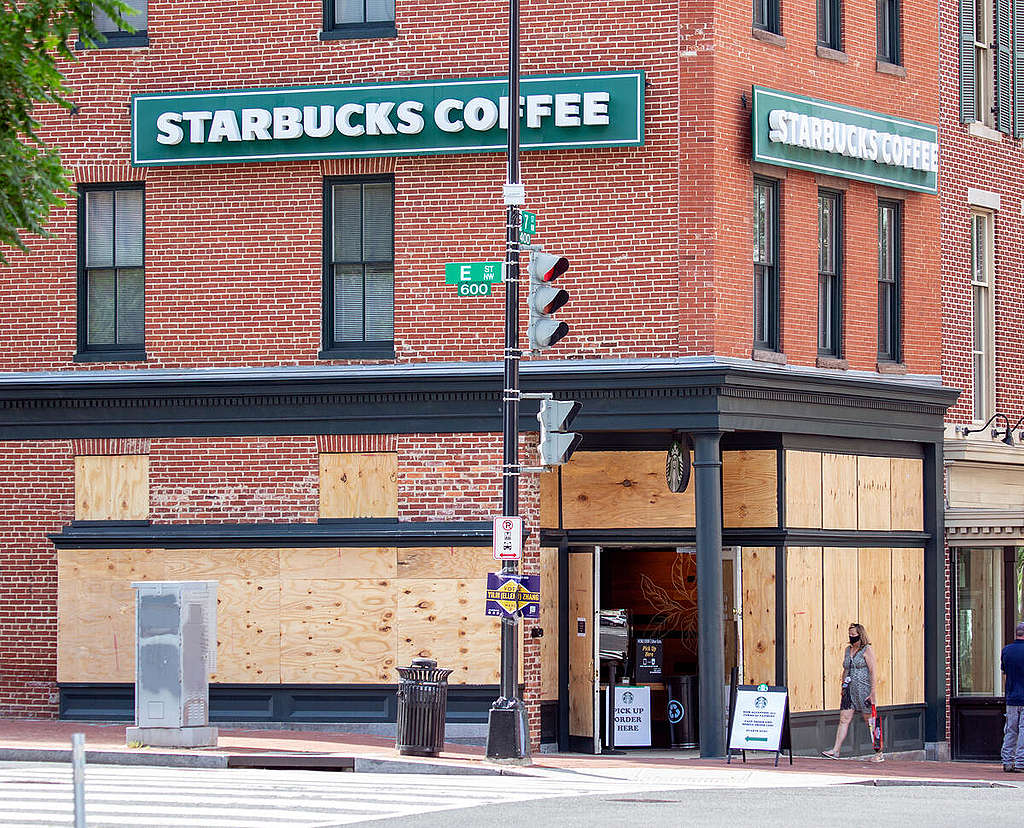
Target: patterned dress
column 857, row 681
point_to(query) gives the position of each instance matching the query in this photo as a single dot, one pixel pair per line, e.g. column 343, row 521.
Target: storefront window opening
column 979, row 621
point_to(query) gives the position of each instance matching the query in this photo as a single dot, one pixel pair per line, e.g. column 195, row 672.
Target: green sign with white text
column 455, row 273
column 809, row 134
column 600, row 109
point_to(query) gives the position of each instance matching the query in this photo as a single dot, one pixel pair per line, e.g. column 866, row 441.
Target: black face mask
column 854, row 639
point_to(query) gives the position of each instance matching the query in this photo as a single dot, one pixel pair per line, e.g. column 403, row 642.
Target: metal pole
column 78, row 776
column 707, row 465
column 507, row 734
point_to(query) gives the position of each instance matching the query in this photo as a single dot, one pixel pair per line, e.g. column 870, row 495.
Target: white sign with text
column 758, row 720
column 632, row 716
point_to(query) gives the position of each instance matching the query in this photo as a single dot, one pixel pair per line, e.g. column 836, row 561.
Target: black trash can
column 422, row 704
column 682, row 711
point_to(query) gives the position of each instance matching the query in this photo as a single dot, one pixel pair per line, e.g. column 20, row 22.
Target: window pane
column 884, row 317
column 347, row 223
column 380, row 301
column 978, row 615
column 100, row 307
column 128, row 247
column 763, row 253
column 1015, row 591
column 348, row 11
column 99, row 228
column 979, row 408
column 131, row 304
column 378, row 222
column 825, row 312
column 348, row 303
column 138, row 20
column 380, row 10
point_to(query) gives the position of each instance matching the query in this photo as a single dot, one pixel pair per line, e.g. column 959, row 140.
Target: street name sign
column 457, row 273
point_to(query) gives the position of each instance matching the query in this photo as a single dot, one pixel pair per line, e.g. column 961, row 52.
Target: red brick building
column 237, row 358
column 981, row 205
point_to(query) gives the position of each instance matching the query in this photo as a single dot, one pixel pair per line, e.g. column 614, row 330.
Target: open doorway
column 633, row 621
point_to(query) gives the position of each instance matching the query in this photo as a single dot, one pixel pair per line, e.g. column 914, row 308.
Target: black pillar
column 707, row 465
column 934, row 595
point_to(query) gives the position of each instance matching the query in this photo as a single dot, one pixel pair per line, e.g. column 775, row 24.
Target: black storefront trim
column 623, row 395
column 903, row 728
column 346, row 533
column 363, row 703
column 734, row 537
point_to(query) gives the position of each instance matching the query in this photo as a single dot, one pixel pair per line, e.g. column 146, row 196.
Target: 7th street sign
column 456, row 273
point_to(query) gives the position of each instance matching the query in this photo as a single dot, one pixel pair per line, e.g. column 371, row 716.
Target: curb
column 933, row 783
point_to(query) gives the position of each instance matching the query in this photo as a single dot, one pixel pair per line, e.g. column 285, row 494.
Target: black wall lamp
column 1007, row 432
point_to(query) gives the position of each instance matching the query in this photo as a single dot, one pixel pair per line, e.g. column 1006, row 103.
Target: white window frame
column 983, row 314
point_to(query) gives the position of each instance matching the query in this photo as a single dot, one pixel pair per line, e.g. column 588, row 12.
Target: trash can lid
column 423, row 662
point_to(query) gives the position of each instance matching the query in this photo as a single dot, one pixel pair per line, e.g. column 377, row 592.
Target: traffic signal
column 544, row 268
column 556, row 443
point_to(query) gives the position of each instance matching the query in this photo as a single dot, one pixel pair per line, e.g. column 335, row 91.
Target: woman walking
column 859, row 671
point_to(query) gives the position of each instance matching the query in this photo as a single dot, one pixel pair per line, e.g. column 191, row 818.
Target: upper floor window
column 887, row 30
column 766, row 15
column 358, row 19
column 991, row 74
column 890, row 278
column 117, row 37
column 766, row 270
column 982, row 339
column 359, row 282
column 830, row 257
column 830, row 24
column 111, row 273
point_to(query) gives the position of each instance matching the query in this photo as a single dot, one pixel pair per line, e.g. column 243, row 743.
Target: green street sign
column 474, row 289
column 457, row 273
column 528, row 223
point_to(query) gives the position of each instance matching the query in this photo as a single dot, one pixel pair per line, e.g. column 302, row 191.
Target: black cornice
column 617, row 395
column 673, row 536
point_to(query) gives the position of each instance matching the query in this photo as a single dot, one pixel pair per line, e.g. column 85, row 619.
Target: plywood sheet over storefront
column 758, row 574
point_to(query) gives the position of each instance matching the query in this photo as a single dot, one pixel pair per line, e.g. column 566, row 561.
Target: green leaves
column 34, row 35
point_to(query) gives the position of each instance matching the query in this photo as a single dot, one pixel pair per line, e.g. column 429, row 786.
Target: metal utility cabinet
column 175, row 652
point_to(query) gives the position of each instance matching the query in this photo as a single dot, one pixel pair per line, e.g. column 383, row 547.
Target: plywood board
column 447, row 562
column 907, row 492
column 838, row 491
column 749, row 489
column 907, row 626
column 874, row 508
column 248, row 631
column 213, row 564
column 359, row 485
column 621, row 489
column 340, row 563
column 840, row 588
column 549, row 486
column 115, row 564
column 445, row 620
column 581, row 647
column 548, row 622
column 803, row 489
column 95, row 629
column 757, row 572
column 112, row 487
column 874, row 569
column 804, row 666
column 337, row 631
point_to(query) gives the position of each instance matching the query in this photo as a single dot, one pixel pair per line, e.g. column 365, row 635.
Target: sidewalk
column 50, row 740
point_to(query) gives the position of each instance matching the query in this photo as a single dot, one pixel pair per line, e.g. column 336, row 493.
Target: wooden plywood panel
column 907, row 626
column 95, row 629
column 803, row 489
column 378, row 563
column 548, row 622
column 749, row 489
column 214, row 564
column 444, row 620
column 112, row 488
column 447, row 562
column 337, row 631
column 248, row 631
column 581, row 647
column 874, row 569
column 115, row 564
column 758, row 583
column 359, row 485
column 804, row 666
column 621, row 489
column 838, row 491
column 907, row 493
column 874, row 508
column 549, row 486
column 840, row 586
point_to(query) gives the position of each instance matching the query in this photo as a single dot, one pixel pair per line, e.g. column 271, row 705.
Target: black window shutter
column 967, row 65
column 1004, row 61
column 1018, row 68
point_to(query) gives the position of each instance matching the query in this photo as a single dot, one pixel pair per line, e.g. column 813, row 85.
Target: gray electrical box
column 175, row 652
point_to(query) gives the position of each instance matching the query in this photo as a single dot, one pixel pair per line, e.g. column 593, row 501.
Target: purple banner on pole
column 513, row 595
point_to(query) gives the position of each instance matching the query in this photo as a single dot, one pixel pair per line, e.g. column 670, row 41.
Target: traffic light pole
column 507, row 730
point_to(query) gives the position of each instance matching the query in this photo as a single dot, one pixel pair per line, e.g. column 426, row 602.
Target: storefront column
column 935, row 633
column 707, row 465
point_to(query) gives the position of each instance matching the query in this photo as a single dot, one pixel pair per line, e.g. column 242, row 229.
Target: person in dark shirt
column 1013, row 736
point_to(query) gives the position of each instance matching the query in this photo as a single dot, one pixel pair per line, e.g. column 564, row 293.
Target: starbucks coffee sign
column 795, row 131
column 421, row 118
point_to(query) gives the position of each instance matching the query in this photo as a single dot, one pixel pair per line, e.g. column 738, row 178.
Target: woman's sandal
column 831, row 754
